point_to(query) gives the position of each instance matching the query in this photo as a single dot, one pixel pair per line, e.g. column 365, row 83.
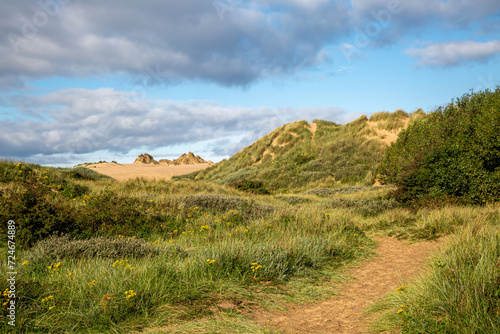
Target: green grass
column 178, row 250
column 197, row 256
column 182, row 273
column 460, row 291
column 296, row 162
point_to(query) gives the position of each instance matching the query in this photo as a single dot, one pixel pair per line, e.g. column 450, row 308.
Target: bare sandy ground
column 129, row 171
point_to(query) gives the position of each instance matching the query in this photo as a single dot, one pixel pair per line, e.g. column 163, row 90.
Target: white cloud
column 186, row 40
column 177, row 41
column 454, row 53
column 81, row 121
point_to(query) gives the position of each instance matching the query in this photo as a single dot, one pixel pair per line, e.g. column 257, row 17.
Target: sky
column 84, row 81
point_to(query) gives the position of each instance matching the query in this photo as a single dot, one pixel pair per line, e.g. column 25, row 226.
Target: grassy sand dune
column 274, row 228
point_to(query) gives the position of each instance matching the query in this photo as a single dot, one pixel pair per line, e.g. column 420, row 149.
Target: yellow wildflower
column 46, row 299
column 130, row 293
column 25, row 263
column 255, row 266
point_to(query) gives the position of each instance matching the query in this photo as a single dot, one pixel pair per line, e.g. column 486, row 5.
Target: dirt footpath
column 398, row 261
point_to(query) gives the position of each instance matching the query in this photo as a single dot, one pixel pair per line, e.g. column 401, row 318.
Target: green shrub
column 108, row 213
column 254, row 187
column 82, row 173
column 453, row 154
column 35, row 214
column 11, row 171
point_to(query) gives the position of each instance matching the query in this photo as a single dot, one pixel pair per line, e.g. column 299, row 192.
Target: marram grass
column 172, row 255
column 459, row 292
column 211, row 258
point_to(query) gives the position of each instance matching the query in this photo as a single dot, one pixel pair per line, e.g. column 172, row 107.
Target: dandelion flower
column 25, row 263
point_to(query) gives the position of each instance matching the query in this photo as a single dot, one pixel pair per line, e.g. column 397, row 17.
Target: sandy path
column 130, row 171
column 397, row 262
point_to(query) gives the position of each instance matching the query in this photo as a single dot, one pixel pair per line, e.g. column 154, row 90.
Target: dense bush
column 36, row 216
column 40, row 210
column 254, row 187
column 82, row 173
column 452, row 155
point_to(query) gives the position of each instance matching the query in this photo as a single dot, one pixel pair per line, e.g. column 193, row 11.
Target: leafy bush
column 36, row 216
column 452, row 155
column 255, row 187
column 16, row 171
column 82, row 173
column 110, row 214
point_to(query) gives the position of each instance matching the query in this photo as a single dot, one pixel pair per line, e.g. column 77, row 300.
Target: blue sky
column 88, row 80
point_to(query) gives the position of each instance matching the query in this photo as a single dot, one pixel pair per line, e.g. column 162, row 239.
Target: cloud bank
column 229, row 42
column 80, row 121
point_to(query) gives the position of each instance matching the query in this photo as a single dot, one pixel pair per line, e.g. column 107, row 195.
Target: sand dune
column 147, row 171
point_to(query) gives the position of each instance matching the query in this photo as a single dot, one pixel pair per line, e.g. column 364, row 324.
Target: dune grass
column 291, row 159
column 459, row 292
column 142, row 253
column 187, row 256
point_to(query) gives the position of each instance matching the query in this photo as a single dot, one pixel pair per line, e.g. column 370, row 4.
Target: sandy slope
column 130, row 171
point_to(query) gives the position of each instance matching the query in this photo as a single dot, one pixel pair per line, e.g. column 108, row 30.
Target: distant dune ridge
column 145, row 166
column 184, row 159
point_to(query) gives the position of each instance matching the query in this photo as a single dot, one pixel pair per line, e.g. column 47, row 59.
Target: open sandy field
column 149, row 171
